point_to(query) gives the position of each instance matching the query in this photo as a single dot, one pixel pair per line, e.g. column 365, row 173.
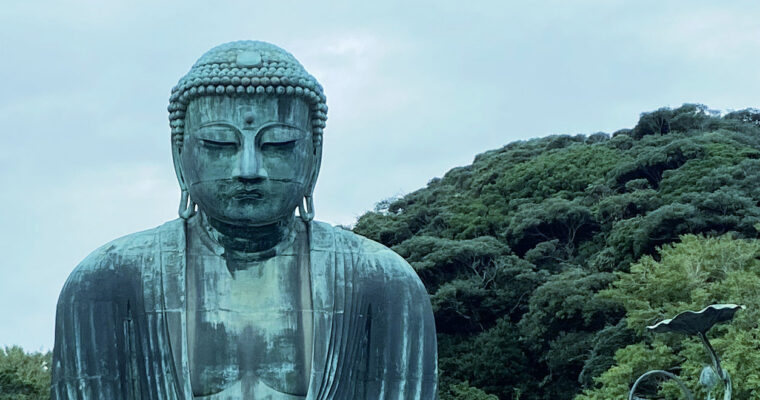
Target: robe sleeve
column 105, row 341
column 403, row 349
column 110, row 343
column 92, row 334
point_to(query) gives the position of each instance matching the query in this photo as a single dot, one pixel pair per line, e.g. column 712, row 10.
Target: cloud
column 709, row 34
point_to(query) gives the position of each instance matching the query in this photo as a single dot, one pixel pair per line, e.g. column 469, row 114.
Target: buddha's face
column 247, row 160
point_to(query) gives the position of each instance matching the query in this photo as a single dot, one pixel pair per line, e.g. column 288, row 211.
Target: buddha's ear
column 317, row 165
column 306, row 205
column 177, row 158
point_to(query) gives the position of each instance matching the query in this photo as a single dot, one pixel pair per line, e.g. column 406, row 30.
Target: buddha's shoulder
column 373, row 259
column 341, row 240
column 123, row 259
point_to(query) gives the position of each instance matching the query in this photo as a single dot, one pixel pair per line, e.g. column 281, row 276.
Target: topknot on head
column 246, row 67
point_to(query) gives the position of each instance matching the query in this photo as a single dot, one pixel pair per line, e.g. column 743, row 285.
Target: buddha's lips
column 247, row 194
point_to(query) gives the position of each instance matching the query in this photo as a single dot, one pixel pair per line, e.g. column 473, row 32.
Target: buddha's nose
column 250, row 165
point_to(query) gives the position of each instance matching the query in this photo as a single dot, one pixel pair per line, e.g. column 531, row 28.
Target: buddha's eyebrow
column 217, row 123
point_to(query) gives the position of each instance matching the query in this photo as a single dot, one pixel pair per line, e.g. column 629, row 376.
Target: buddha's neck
column 250, row 239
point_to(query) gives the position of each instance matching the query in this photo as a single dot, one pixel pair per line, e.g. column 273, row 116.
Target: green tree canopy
column 690, row 274
column 24, row 376
column 527, row 235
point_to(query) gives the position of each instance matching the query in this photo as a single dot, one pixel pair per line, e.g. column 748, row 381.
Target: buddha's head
column 246, row 127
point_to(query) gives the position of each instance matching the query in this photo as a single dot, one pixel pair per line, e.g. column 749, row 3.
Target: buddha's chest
column 249, row 331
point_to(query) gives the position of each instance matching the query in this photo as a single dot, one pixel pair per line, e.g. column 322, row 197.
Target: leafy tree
column 561, row 326
column 24, row 376
column 651, row 162
column 626, row 205
column 748, row 115
column 663, row 121
column 492, row 361
column 463, row 391
column 473, row 303
column 553, row 219
column 437, row 259
column 690, row 274
column 602, row 355
column 656, row 122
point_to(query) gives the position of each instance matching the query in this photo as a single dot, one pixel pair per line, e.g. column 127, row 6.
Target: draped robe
column 121, row 322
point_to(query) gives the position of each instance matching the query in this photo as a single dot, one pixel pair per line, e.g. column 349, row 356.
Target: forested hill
column 515, row 248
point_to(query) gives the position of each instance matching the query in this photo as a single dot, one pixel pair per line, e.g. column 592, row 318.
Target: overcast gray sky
column 414, row 89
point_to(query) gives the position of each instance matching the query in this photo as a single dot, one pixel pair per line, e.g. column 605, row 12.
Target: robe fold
column 121, row 322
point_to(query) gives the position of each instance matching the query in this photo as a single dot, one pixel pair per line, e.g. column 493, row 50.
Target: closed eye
column 287, row 145
column 216, row 143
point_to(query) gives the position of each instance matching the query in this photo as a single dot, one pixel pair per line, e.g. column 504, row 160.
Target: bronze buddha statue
column 240, row 298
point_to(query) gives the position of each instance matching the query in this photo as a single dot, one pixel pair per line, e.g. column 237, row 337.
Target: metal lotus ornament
column 697, row 323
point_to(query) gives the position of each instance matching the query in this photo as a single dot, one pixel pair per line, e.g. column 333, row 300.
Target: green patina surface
column 241, row 298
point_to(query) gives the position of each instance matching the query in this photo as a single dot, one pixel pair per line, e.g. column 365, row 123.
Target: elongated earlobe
column 306, row 208
column 186, row 205
column 306, row 205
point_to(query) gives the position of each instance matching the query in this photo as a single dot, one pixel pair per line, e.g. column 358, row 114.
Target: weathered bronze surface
column 241, row 298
